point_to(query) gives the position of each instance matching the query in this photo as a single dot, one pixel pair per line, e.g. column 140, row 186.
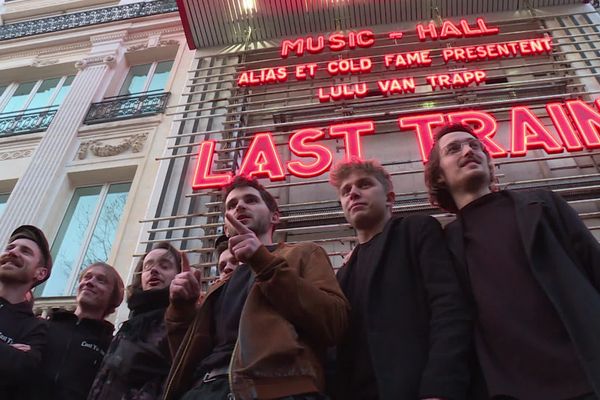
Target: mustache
column 470, row 158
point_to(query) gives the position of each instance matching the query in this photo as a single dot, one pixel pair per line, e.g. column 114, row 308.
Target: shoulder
column 299, row 248
column 416, row 223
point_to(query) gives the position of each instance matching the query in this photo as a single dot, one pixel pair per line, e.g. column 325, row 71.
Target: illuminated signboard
column 575, row 121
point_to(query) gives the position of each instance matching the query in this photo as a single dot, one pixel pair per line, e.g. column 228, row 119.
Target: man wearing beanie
column 77, row 341
column 25, row 262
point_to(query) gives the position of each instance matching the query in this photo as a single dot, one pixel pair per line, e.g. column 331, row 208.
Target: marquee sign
column 575, row 122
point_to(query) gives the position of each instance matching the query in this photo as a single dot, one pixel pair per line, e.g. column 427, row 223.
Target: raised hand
column 244, row 243
column 186, row 284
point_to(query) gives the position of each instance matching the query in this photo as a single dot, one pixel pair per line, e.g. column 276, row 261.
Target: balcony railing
column 128, row 106
column 86, row 18
column 29, row 121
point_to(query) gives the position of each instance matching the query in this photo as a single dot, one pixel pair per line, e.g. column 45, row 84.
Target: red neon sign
column 451, row 31
column 335, row 42
column 527, row 132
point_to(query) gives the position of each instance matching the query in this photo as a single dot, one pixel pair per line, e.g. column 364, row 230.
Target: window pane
column 161, row 74
column 66, row 249
column 2, row 89
column 106, row 228
column 44, row 93
column 136, row 79
column 19, row 97
column 3, row 200
column 62, row 93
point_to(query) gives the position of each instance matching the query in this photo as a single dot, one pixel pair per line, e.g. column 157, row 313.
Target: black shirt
column 227, row 313
column 358, row 364
column 522, row 344
column 73, row 355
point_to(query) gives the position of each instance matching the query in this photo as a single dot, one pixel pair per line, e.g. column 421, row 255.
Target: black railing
column 86, row 18
column 128, row 106
column 29, row 121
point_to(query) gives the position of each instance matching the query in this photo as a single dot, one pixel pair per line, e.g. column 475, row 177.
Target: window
column 3, row 200
column 146, row 78
column 86, row 235
column 36, row 94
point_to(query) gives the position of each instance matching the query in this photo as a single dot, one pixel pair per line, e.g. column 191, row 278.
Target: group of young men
column 502, row 304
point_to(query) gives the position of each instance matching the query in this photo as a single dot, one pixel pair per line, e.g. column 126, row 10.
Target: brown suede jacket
column 293, row 312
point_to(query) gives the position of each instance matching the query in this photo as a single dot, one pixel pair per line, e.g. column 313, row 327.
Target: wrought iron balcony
column 127, row 106
column 86, row 18
column 29, row 121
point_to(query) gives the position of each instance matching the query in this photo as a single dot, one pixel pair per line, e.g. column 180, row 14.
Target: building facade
column 120, row 120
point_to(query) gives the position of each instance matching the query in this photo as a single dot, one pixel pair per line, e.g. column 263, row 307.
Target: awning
column 210, row 23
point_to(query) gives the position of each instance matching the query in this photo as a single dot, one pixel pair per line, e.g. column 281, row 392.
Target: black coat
column 565, row 260
column 18, row 369
column 73, row 355
column 418, row 325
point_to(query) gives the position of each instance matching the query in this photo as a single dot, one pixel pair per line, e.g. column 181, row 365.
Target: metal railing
column 86, row 18
column 28, row 121
column 127, row 106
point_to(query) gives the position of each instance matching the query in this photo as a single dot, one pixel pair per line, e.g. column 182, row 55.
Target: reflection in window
column 147, row 77
column 86, row 235
column 3, row 200
column 36, row 94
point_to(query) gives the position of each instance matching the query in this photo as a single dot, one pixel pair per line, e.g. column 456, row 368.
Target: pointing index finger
column 239, row 227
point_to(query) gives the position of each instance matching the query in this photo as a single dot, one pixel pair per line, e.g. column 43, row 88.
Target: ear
column 275, row 218
column 40, row 273
column 390, row 198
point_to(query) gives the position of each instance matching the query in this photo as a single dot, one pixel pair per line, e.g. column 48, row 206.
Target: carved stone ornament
column 87, row 62
column 135, row 143
column 13, row 155
column 43, row 63
column 170, row 42
column 137, row 47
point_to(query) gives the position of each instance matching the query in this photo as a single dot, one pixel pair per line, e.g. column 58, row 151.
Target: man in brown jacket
column 263, row 332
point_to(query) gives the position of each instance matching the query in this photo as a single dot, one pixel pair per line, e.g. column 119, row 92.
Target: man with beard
column 77, row 341
column 532, row 270
column 409, row 333
column 24, row 264
column 138, row 359
column 263, row 332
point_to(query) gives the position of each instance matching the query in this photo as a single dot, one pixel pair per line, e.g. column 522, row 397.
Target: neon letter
column 423, row 125
column 300, row 147
column 202, row 176
column 261, row 160
column 528, row 132
column 351, row 133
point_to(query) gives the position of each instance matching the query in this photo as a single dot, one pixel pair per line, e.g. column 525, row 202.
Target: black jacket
column 18, row 369
column 138, row 359
column 73, row 355
column 418, row 324
column 565, row 260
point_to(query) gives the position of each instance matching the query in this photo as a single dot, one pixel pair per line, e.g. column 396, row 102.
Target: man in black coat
column 24, row 263
column 409, row 334
column 77, row 341
column 530, row 267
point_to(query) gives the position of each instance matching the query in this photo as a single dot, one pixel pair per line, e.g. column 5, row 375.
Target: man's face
column 227, row 263
column 21, row 262
column 95, row 289
column 463, row 163
column 158, row 270
column 364, row 200
column 246, row 205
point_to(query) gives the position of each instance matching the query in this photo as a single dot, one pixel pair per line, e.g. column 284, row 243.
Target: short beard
column 17, row 276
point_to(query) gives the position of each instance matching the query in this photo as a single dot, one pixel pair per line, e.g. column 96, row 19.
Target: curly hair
column 439, row 195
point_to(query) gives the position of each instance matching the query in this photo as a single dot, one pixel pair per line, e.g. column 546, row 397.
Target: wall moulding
column 99, row 147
